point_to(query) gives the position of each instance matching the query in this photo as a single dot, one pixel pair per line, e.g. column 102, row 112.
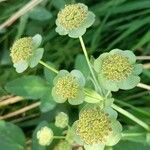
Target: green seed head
column 21, row 49
column 67, row 87
column 93, row 126
column 61, row 120
column 72, row 16
column 116, row 67
column 45, row 136
column 63, row 145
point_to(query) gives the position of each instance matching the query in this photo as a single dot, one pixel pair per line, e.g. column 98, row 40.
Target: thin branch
column 20, row 111
column 132, row 117
column 5, row 97
column 143, row 57
column 144, row 86
column 11, row 100
column 19, row 13
column 146, row 66
column 21, row 119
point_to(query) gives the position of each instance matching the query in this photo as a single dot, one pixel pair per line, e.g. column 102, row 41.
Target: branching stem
column 88, row 61
column 132, row 117
column 48, row 66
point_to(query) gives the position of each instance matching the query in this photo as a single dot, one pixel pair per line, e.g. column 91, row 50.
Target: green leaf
column 59, row 3
column 49, row 75
column 11, row 137
column 40, row 13
column 81, row 64
column 47, row 102
column 92, row 96
column 126, row 145
column 32, row 87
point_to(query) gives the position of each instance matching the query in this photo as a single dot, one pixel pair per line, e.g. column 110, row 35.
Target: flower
column 25, row 52
column 61, row 120
column 98, row 126
column 45, row 136
column 74, row 19
column 118, row 70
column 63, row 145
column 69, row 86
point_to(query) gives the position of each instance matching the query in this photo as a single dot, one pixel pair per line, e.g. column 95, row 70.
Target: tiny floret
column 61, row 120
column 118, row 70
column 69, row 86
column 25, row 52
column 73, row 20
column 45, row 136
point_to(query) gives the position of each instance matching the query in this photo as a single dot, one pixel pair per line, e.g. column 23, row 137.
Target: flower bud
column 61, row 120
column 45, row 136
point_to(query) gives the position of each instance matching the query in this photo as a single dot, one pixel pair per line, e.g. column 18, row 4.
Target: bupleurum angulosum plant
column 97, row 125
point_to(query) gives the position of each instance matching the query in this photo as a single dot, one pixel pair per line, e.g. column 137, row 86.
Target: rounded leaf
column 37, row 39
column 21, row 66
column 129, row 83
column 75, row 33
column 37, row 56
column 115, row 136
column 57, row 98
column 79, row 76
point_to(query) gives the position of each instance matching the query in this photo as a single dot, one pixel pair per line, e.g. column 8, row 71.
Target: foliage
column 119, row 24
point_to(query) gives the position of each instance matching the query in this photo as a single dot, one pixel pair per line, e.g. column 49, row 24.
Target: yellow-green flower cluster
column 25, row 52
column 117, row 70
column 93, row 126
column 72, row 16
column 45, row 136
column 21, row 49
column 61, row 120
column 97, row 126
column 73, row 20
column 69, row 86
column 116, row 67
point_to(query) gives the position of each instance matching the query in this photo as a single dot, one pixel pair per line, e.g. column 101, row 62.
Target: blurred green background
column 123, row 24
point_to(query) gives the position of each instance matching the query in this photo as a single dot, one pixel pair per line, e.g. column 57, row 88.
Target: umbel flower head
column 25, row 52
column 118, row 70
column 98, row 126
column 69, row 86
column 74, row 19
column 61, row 120
column 45, row 136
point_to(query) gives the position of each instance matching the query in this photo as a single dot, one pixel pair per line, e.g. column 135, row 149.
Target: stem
column 132, row 117
column 88, row 61
column 144, row 86
column 48, row 67
column 132, row 107
column 59, row 137
column 124, row 135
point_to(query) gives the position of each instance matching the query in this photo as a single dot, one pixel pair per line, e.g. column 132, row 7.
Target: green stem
column 124, row 135
column 88, row 61
column 132, row 107
column 48, row 67
column 59, row 137
column 132, row 117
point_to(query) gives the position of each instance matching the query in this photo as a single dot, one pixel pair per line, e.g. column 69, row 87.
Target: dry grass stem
column 20, row 111
column 29, row 6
